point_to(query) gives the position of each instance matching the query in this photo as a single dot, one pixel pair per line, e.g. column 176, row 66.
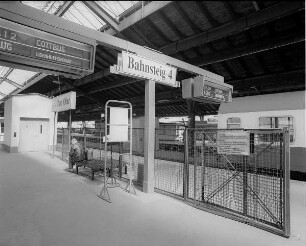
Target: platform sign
column 139, row 67
column 44, row 49
column 233, row 142
column 64, row 102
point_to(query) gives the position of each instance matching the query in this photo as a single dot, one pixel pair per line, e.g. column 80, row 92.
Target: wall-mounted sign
column 139, row 67
column 233, row 142
column 201, row 89
column 64, row 102
column 45, row 50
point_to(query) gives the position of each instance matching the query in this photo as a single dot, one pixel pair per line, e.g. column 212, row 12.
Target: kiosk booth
column 29, row 123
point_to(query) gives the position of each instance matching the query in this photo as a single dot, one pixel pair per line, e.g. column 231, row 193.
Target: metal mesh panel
column 249, row 186
column 118, row 153
column 169, row 160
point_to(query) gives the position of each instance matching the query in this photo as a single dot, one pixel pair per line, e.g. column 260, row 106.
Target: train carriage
column 271, row 111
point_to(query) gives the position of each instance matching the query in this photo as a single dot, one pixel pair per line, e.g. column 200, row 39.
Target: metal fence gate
column 252, row 189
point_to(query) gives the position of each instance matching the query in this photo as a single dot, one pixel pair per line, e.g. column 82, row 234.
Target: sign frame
column 233, row 142
column 145, row 68
column 64, row 102
column 41, row 51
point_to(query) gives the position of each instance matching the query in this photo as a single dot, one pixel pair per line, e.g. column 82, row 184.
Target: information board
column 42, row 47
column 233, row 142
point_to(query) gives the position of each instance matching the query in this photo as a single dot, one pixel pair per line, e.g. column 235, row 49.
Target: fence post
column 186, row 165
column 84, row 132
column 286, row 187
column 245, row 185
column 62, row 143
column 100, row 143
column 194, row 166
column 120, row 160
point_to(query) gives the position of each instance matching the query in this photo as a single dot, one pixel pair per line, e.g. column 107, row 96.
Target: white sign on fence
column 233, row 142
column 139, row 67
column 64, row 102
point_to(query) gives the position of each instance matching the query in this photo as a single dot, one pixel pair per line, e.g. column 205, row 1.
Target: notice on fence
column 233, row 142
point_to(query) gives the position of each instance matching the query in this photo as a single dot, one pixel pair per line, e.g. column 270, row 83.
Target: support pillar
column 149, row 137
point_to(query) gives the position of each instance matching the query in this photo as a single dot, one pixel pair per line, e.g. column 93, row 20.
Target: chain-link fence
column 251, row 188
column 118, row 153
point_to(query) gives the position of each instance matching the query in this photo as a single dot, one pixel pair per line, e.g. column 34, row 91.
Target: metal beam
column 255, row 4
column 247, row 82
column 142, row 13
column 84, row 81
column 259, row 46
column 2, row 94
column 171, row 25
column 101, row 13
column 207, row 14
column 10, row 82
column 61, row 11
column 244, row 23
column 26, row 15
column 185, row 17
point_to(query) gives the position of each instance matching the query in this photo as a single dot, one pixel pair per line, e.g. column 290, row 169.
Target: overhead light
column 163, row 100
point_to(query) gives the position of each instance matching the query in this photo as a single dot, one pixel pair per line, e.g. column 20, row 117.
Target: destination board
column 216, row 93
column 27, row 42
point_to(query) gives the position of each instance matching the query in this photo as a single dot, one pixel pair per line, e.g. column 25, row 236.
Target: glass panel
column 277, row 122
column 234, row 120
column 6, row 88
column 3, row 71
column 47, row 6
column 80, row 14
column 266, row 122
column 21, row 76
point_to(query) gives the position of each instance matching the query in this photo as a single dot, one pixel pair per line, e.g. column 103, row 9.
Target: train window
column 1, row 127
column 233, row 122
column 277, row 122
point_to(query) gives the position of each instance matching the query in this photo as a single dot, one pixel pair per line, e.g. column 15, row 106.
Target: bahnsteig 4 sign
column 139, row 67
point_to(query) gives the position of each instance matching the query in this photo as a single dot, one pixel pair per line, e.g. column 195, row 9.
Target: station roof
column 257, row 46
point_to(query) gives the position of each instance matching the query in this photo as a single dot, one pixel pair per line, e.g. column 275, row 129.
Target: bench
column 94, row 165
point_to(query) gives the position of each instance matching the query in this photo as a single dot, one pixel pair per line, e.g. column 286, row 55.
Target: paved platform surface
column 42, row 204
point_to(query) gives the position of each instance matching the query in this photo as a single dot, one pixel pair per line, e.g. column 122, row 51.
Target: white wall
column 7, row 122
column 28, row 106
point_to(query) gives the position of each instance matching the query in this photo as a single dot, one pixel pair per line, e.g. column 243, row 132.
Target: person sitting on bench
column 76, row 153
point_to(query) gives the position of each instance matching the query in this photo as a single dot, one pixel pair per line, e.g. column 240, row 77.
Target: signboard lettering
column 216, row 93
column 233, row 142
column 64, row 102
column 28, row 42
column 140, row 67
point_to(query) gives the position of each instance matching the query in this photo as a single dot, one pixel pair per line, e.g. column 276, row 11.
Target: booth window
column 277, row 123
column 233, row 123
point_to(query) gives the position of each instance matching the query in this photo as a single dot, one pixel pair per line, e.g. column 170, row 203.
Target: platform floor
column 42, row 204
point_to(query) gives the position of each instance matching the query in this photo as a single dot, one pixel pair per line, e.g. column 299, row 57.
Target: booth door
column 34, row 134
